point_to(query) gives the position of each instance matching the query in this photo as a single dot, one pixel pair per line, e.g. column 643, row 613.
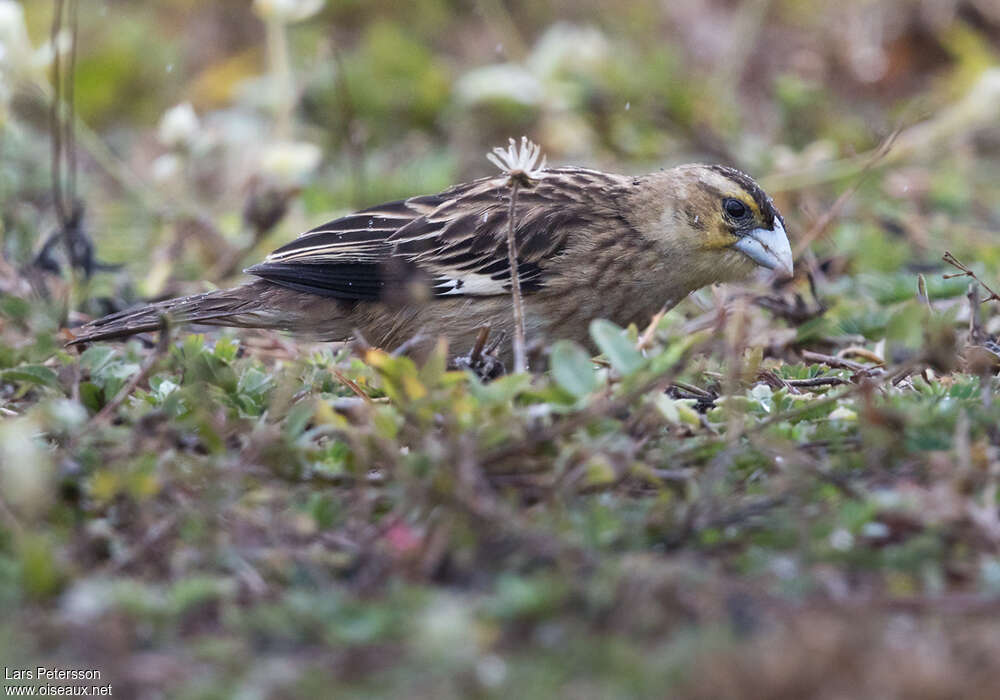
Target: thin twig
column 975, row 322
column 55, row 127
column 279, row 66
column 477, row 350
column 817, row 381
column 837, row 362
column 8, row 518
column 646, row 339
column 417, row 339
column 352, row 385
column 859, row 351
column 695, row 391
column 821, row 224
column 966, row 272
column 353, row 139
column 147, row 367
column 68, row 125
column 520, row 356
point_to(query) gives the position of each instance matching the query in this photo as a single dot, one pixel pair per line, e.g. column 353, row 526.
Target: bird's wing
column 454, row 242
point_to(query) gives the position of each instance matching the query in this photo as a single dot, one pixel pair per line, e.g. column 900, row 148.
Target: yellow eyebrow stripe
column 749, row 201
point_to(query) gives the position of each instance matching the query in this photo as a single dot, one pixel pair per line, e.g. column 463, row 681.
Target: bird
column 589, row 244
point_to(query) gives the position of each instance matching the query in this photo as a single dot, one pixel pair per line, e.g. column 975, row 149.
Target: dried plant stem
column 520, row 164
column 520, row 356
column 352, row 385
column 8, row 518
column 476, row 353
column 966, row 272
column 55, row 126
column 823, row 222
column 281, row 73
column 68, row 124
column 646, row 339
column 817, row 381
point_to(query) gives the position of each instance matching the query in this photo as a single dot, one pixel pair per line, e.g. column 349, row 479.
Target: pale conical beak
column 768, row 248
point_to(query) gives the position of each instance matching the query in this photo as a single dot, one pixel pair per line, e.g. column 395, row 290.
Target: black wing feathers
column 456, row 241
column 347, row 281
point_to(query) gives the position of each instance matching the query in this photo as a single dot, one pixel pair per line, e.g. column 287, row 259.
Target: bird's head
column 718, row 223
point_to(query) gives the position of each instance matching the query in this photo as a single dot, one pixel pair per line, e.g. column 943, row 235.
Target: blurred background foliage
column 401, row 98
column 238, row 528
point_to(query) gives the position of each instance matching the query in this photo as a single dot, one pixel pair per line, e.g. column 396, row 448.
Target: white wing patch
column 470, row 284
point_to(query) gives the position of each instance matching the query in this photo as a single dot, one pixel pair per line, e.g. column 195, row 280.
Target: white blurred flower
column 15, row 47
column 12, row 28
column 549, row 80
column 506, row 81
column 289, row 162
column 87, row 600
column 842, row 413
column 518, row 160
column 287, row 10
column 875, row 530
column 563, row 49
column 166, row 167
column 491, row 671
column 784, row 567
column 26, row 470
column 63, row 414
column 566, row 47
column 18, row 58
column 841, row 540
column 179, row 126
column 445, row 630
column 888, row 499
column 41, row 59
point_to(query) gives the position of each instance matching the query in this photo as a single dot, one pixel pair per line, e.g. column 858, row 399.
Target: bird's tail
column 239, row 306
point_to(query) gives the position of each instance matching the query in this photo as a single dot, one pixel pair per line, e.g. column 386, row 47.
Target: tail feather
column 240, row 306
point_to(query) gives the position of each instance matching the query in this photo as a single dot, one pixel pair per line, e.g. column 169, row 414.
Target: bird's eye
column 735, row 208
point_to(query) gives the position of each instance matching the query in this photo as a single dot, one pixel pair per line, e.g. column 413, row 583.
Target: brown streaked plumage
column 590, row 245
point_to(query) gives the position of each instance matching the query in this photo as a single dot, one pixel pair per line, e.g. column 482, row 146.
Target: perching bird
column 589, row 245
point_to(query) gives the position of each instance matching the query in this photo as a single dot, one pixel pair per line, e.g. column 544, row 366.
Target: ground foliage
column 783, row 490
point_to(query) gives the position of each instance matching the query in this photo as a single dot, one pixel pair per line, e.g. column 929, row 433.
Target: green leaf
column 113, row 377
column 91, row 396
column 96, row 357
column 501, row 390
column 298, row 418
column 572, row 369
column 619, row 350
column 32, row 374
column 254, row 382
column 226, row 349
column 14, row 308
